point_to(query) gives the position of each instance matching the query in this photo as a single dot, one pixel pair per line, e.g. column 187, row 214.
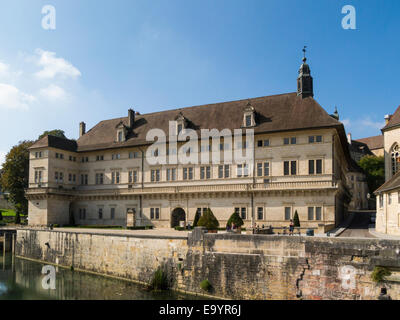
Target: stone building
column 374, row 144
column 388, row 203
column 300, row 162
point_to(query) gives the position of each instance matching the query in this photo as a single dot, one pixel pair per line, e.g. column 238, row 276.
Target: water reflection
column 22, row 280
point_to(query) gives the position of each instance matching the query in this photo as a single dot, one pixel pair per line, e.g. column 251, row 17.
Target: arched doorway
column 177, row 215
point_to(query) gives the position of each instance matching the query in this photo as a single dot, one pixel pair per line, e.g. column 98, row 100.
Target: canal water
column 22, row 280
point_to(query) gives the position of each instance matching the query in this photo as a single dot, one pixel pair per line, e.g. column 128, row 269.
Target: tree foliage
column 208, row 220
column 374, row 168
column 15, row 176
column 196, row 219
column 296, row 220
column 236, row 219
column 56, row 132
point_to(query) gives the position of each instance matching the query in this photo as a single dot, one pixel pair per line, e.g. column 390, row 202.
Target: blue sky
column 107, row 56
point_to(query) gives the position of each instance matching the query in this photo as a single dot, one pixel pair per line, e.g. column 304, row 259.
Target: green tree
column 56, row 132
column 374, row 167
column 15, row 176
column 196, row 218
column 236, row 219
column 296, row 220
column 208, row 220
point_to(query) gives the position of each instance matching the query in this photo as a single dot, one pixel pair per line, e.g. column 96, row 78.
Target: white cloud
column 346, row 122
column 53, row 92
column 12, row 98
column 4, row 69
column 53, row 66
column 372, row 124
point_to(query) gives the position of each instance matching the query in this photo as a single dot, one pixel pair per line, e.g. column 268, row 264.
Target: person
column 383, row 295
column 291, row 227
column 233, row 227
column 228, row 228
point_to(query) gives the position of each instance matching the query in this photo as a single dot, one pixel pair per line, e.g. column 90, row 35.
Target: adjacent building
column 300, row 162
column 388, row 203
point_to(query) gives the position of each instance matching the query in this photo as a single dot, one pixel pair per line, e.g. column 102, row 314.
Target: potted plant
column 236, row 220
column 209, row 221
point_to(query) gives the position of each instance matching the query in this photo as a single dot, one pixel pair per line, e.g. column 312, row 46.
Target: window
column 259, row 143
column 112, row 213
column 188, row 173
column 84, row 179
column 58, row 177
column 314, row 213
column 260, row 213
column 38, row 176
column 99, row 178
column 395, row 159
column 315, row 166
column 263, row 143
column 155, row 175
column 38, row 154
column 292, row 140
column 116, row 156
column 154, row 213
column 171, row 174
column 318, row 213
column 205, row 172
column 179, row 128
column 263, row 169
column 100, row 158
column 248, row 120
column 289, row 168
column 242, row 170
column 398, row 197
column 100, row 213
column 313, row 139
column 132, row 176
column 381, row 200
column 115, row 177
column 389, row 198
column 288, row 213
column 243, row 213
column 223, row 171
column 119, row 136
column 133, row 155
column 310, row 213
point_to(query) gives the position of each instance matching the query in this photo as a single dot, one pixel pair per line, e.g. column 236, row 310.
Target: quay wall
column 237, row 266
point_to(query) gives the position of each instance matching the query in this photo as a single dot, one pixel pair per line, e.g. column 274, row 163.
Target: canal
column 22, row 280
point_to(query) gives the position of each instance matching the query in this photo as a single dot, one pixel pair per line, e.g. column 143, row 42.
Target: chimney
column 131, row 118
column 82, row 129
column 349, row 138
column 387, row 118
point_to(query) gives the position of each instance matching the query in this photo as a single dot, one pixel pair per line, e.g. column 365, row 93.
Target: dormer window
column 121, row 132
column 180, row 123
column 249, row 116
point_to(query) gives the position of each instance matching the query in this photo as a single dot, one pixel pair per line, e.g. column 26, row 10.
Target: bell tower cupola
column 304, row 80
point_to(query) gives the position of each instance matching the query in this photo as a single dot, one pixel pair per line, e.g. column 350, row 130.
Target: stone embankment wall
column 237, row 266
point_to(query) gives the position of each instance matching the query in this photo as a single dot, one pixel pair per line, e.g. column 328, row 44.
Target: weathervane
column 304, row 51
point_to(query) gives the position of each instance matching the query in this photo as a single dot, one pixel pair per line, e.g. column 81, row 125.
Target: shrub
column 296, row 220
column 159, row 280
column 177, row 228
column 196, row 219
column 236, row 219
column 208, row 220
column 205, row 285
column 380, row 273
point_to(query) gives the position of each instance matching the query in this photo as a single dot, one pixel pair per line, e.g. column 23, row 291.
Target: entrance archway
column 177, row 215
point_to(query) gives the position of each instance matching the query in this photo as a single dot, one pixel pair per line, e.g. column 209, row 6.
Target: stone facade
column 388, row 195
column 60, row 193
column 237, row 266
